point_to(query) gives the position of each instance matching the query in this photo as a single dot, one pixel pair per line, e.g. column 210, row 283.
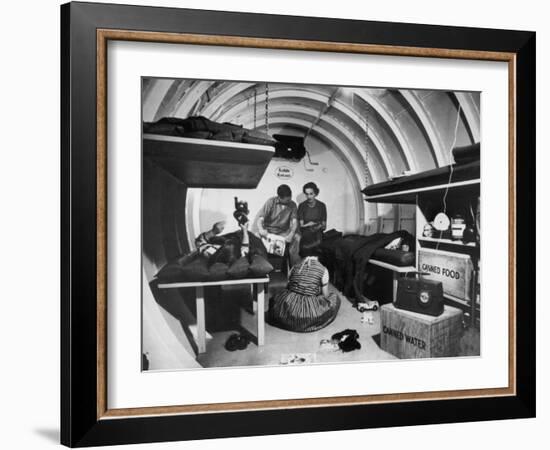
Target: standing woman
column 312, row 214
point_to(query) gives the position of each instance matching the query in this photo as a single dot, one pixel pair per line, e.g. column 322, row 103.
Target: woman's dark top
column 316, row 213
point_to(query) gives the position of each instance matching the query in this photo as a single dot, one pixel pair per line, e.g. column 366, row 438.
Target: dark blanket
column 351, row 256
column 202, row 128
column 466, row 154
column 230, row 249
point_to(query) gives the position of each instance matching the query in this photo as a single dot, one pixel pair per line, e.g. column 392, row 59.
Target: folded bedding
column 466, row 154
column 202, row 128
column 225, row 264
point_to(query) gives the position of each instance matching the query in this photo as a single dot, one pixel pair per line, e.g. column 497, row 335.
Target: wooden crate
column 454, row 270
column 410, row 335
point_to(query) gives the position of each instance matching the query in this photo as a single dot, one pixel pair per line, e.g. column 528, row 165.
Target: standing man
column 279, row 216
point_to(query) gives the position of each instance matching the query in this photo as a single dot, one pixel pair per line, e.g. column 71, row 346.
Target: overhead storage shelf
column 405, row 189
column 207, row 163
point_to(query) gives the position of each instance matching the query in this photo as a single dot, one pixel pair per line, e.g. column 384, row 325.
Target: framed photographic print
column 279, row 224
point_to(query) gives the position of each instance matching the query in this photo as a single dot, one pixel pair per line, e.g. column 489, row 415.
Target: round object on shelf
column 441, row 222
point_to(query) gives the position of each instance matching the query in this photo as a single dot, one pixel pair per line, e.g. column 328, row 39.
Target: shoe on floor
column 237, row 342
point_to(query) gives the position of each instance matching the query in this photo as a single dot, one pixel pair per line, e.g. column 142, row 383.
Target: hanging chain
column 267, row 108
column 255, row 92
column 367, row 146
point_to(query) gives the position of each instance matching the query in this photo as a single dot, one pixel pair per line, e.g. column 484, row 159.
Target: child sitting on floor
column 306, row 304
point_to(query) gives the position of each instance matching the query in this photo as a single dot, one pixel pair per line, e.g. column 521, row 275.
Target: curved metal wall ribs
column 180, row 98
column 335, row 121
column 285, row 101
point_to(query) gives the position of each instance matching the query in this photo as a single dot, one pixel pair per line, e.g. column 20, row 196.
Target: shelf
column 448, row 241
column 207, row 163
column 405, row 189
column 398, row 269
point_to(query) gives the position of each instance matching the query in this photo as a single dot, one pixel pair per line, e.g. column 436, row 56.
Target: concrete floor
column 234, row 314
column 280, row 342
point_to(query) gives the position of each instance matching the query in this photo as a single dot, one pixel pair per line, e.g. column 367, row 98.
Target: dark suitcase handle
column 418, row 273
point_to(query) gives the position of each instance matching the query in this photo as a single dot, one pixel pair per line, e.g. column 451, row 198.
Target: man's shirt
column 278, row 216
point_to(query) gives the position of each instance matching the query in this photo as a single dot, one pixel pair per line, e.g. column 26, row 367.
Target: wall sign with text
column 284, row 172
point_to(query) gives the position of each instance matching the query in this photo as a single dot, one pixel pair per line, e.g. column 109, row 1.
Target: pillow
column 222, row 136
column 170, row 272
column 238, row 134
column 173, row 270
column 186, row 259
column 239, row 269
column 196, row 270
column 198, row 134
column 169, row 126
column 260, row 267
column 394, row 245
column 218, row 271
column 228, row 253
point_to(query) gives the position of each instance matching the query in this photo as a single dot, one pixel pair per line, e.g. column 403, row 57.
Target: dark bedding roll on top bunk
column 199, row 127
column 401, row 189
column 466, row 153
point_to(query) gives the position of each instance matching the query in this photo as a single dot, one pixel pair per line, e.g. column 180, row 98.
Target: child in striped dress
column 305, row 305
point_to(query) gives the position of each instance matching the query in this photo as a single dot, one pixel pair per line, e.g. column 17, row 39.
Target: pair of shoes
column 237, row 342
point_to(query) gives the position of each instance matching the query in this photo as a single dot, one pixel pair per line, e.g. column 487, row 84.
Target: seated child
column 306, row 304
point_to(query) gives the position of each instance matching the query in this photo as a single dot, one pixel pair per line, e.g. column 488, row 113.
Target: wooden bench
column 258, row 296
column 396, row 271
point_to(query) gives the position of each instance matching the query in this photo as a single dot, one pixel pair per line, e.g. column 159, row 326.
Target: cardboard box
column 410, row 335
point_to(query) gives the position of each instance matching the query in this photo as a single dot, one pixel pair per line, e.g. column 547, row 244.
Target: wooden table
column 258, row 296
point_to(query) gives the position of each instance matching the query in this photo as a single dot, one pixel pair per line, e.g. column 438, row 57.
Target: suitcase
column 420, row 295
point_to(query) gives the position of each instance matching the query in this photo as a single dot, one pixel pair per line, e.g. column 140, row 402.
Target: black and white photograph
column 290, row 224
column 275, row 225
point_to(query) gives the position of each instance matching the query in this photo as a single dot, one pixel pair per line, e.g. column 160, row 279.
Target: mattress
column 394, row 257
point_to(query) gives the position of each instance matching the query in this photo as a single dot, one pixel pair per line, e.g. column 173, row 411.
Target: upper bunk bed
column 207, row 163
column 206, row 154
column 405, row 189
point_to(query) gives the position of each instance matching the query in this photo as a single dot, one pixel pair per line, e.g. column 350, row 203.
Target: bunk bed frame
column 462, row 181
column 205, row 163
